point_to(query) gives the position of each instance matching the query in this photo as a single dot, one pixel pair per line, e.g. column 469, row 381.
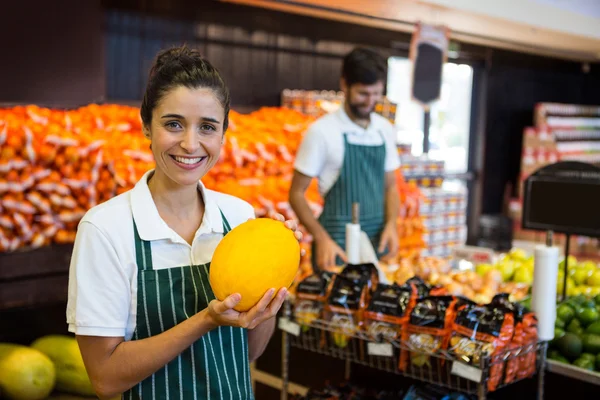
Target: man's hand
column 221, row 313
column 326, row 252
column 389, row 240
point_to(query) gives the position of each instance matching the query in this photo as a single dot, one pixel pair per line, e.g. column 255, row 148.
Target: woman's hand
column 290, row 224
column 222, row 313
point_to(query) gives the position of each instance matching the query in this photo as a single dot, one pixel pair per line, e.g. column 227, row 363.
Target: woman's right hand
column 221, row 313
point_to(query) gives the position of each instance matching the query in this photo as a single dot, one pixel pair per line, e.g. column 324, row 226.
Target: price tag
column 466, row 371
column 380, row 349
column 288, row 326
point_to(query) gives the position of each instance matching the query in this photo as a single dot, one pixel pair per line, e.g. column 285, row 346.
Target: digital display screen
column 573, row 206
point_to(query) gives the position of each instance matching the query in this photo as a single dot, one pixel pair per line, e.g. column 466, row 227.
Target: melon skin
column 71, row 375
column 25, row 373
column 252, row 258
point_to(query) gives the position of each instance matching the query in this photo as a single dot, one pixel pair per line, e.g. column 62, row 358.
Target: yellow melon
column 254, row 257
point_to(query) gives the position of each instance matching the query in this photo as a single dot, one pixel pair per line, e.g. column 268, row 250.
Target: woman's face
column 186, row 134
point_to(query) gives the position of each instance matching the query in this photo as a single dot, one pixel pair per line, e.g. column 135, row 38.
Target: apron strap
column 143, row 251
column 226, row 226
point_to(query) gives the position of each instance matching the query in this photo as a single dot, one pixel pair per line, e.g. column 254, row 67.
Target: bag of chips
column 365, row 272
column 388, row 311
column 345, row 307
column 311, row 294
column 524, row 340
column 427, row 330
column 482, row 331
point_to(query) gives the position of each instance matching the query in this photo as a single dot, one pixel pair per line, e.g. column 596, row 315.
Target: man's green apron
column 361, row 180
column 214, row 367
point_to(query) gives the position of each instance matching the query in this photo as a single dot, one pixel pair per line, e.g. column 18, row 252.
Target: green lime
column 552, row 354
column 591, row 343
column 565, row 313
column 593, row 328
column 589, row 304
column 597, row 300
column 558, row 357
column 588, row 356
column 570, row 345
column 584, row 363
column 559, row 323
column 574, row 327
column 587, row 316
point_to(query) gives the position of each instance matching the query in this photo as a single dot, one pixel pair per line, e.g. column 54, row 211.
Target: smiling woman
column 140, row 302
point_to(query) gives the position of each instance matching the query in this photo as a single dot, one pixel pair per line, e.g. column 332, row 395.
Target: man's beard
column 358, row 113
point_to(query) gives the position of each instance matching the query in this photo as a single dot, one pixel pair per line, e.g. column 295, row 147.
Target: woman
column 140, row 303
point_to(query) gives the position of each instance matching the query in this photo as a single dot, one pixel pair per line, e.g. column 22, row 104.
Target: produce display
column 435, row 271
column 516, row 267
column 50, row 363
column 577, row 333
column 254, row 257
column 431, row 324
column 56, row 164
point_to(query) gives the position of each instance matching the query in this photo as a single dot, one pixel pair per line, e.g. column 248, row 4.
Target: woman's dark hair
column 182, row 66
column 364, row 66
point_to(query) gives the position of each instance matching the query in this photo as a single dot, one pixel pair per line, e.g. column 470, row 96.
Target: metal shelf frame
column 440, row 369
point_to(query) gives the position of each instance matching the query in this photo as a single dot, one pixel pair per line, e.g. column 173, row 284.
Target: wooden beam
column 466, row 27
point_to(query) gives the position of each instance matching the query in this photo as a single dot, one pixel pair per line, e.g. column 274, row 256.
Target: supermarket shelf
column 573, row 372
column 441, row 368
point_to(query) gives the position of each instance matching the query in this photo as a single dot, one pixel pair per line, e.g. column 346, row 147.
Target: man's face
column 361, row 99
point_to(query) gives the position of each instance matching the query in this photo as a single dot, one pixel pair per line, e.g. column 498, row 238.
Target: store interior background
column 71, row 52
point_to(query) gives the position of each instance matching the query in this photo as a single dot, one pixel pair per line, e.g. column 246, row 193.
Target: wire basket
column 440, row 367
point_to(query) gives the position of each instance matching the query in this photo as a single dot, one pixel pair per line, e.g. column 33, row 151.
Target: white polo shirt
column 103, row 272
column 321, row 153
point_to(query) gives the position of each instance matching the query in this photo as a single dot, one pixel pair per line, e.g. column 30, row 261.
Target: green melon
column 71, row 375
column 25, row 373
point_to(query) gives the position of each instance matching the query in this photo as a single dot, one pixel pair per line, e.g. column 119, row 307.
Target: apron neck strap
column 143, row 251
column 226, row 226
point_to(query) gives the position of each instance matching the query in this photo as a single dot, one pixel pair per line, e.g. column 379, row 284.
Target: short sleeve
column 312, row 153
column 99, row 289
column 392, row 158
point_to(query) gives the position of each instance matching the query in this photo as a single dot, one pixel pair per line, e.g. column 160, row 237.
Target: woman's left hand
column 290, row 224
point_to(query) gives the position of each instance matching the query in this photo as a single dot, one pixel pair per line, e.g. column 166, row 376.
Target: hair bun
column 176, row 56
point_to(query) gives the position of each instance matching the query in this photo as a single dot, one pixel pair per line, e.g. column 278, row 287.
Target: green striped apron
column 214, row 367
column 361, row 180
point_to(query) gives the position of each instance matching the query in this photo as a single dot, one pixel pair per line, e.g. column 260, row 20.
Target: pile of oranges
column 56, row 164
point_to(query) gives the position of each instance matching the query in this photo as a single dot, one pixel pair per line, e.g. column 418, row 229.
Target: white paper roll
column 353, row 243
column 368, row 255
column 543, row 291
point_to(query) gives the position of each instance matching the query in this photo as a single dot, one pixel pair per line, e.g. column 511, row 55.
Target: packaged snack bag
column 311, row 294
column 388, row 311
column 365, row 272
column 480, row 331
column 345, row 307
column 427, row 330
column 525, row 336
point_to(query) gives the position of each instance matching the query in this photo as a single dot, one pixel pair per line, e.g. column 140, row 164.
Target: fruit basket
column 440, row 367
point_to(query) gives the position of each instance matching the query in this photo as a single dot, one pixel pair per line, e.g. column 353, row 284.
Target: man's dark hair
column 365, row 66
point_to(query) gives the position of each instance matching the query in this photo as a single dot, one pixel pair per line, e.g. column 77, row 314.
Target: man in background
column 352, row 152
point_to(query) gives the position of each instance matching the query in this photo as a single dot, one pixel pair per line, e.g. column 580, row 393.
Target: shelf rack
column 443, row 369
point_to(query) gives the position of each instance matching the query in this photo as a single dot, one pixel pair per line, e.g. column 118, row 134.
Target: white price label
column 288, row 326
column 466, row 371
column 380, row 349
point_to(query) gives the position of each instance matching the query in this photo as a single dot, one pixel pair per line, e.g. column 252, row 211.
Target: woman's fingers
column 227, row 304
column 291, row 224
column 259, row 308
column 271, row 310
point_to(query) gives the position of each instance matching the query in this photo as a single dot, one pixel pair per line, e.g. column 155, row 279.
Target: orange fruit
column 254, row 257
